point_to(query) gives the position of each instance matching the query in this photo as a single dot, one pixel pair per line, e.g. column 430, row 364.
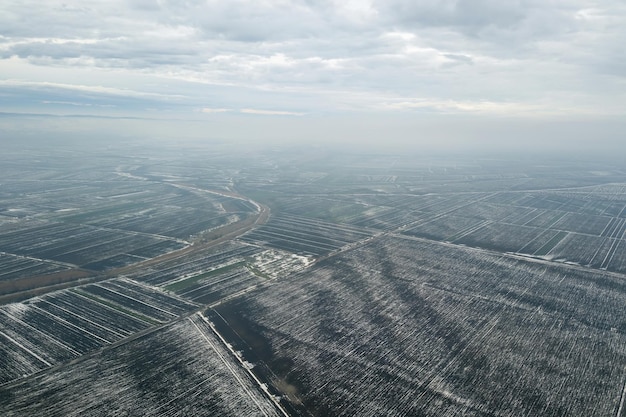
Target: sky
column 424, row 70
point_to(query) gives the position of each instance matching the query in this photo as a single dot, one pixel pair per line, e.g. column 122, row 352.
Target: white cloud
column 74, row 103
column 86, row 88
column 210, row 110
column 271, row 112
column 483, row 56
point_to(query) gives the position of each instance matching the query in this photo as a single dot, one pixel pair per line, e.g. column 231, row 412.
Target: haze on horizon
column 451, row 73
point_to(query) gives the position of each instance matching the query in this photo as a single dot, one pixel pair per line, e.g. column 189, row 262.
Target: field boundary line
column 622, row 399
column 229, row 366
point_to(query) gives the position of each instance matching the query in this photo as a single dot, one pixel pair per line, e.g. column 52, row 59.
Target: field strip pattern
column 57, row 327
column 304, row 235
column 386, row 328
column 197, row 376
column 246, row 379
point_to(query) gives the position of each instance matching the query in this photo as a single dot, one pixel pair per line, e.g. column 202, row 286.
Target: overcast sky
column 344, row 62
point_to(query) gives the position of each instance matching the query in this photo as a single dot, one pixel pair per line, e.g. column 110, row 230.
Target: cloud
column 210, row 110
column 487, row 56
column 84, row 88
column 459, row 58
column 271, row 112
column 73, row 103
column 466, row 14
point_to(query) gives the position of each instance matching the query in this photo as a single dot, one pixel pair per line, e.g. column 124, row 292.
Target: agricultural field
column 14, row 266
column 172, row 270
column 404, row 326
column 208, row 276
column 542, row 209
column 210, row 281
column 583, row 228
column 181, row 370
column 55, row 328
column 304, row 236
column 121, row 229
column 59, row 223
